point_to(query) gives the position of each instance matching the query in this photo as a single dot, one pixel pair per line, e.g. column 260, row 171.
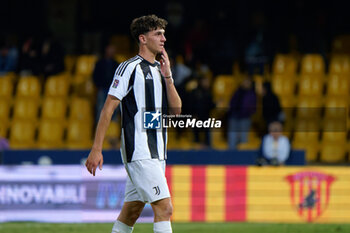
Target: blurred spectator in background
column 51, row 57
column 275, row 147
column 256, row 53
column 196, row 41
column 271, row 108
column 103, row 75
column 29, row 61
column 201, row 102
column 8, row 55
column 242, row 107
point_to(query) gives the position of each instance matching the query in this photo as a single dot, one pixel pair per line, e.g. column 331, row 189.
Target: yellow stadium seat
column 311, row 149
column 310, row 85
column 28, row 87
column 283, row 85
column 332, row 152
column 85, row 65
column 339, row 64
column 79, row 135
column 26, row 108
column 309, row 107
column 22, row 134
column 336, row 108
column 6, row 88
column 50, row 134
column 223, row 88
column 57, row 86
column 338, row 85
column 254, row 145
column 3, row 128
column 312, row 64
column 284, row 64
column 112, row 136
column 219, row 142
column 4, row 110
column 80, row 109
column 54, row 108
column 69, row 63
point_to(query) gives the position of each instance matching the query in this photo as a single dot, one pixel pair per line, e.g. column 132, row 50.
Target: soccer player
column 141, row 84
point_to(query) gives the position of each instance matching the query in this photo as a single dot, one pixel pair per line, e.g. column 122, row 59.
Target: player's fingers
column 101, row 163
column 94, row 170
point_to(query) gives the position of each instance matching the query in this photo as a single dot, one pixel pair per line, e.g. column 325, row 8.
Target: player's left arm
column 174, row 100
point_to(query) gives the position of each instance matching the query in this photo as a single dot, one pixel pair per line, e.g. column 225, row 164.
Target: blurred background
column 276, row 73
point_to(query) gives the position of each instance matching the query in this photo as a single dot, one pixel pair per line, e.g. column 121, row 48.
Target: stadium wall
column 204, row 193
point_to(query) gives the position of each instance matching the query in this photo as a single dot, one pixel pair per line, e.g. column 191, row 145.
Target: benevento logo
column 157, row 120
column 310, row 193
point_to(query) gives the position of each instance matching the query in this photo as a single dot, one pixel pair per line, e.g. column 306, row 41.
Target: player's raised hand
column 95, row 159
column 165, row 64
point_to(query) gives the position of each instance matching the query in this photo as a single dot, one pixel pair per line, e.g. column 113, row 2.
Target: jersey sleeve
column 120, row 83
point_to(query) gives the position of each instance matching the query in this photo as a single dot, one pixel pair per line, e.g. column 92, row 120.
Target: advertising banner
column 62, row 194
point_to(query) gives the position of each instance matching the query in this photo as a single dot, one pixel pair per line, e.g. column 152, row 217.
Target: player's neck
column 147, row 55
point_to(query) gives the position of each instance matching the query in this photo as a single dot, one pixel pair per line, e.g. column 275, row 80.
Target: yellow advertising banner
column 298, row 194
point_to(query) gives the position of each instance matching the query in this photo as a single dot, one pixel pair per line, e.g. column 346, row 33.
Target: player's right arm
column 95, row 157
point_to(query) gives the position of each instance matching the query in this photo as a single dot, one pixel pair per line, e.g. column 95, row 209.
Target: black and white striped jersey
column 139, row 85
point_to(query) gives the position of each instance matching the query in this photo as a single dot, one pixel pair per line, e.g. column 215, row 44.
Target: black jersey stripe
column 125, row 65
column 150, row 106
column 164, row 111
column 129, row 110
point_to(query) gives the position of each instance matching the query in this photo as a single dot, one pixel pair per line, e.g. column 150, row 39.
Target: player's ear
column 142, row 39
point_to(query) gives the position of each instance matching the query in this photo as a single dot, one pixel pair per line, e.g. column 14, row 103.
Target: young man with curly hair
column 141, row 84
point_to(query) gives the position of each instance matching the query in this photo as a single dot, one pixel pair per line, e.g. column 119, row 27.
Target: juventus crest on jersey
column 139, row 85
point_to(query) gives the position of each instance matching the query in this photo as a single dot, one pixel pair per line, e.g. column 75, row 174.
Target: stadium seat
column 6, row 88
column 332, row 152
column 57, row 86
column 79, row 135
column 80, row 109
column 339, row 64
column 4, row 110
column 54, row 108
column 3, row 128
column 219, row 142
column 312, row 64
column 310, row 85
column 336, row 108
column 338, row 85
column 50, row 134
column 283, row 85
column 308, row 107
column 28, row 87
column 112, row 136
column 26, row 108
column 223, row 89
column 22, row 134
column 69, row 63
column 284, row 64
column 306, row 137
column 85, row 65
column 311, row 149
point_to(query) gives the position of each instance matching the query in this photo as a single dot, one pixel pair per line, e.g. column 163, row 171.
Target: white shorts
column 146, row 181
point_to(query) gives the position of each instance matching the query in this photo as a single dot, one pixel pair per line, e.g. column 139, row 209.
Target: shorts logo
column 152, row 120
column 156, row 188
column 310, row 193
column 115, row 83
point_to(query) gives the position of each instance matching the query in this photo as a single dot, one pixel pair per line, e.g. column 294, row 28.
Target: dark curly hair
column 145, row 24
